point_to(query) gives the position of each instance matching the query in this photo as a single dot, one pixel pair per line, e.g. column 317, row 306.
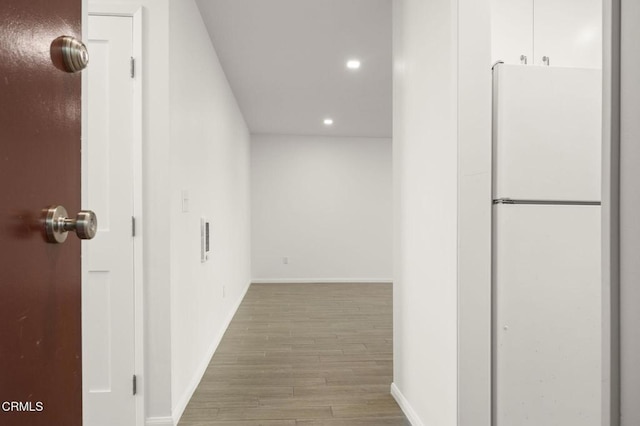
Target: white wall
column 194, row 139
column 474, row 213
column 629, row 208
column 325, row 204
column 611, row 215
column 426, row 209
column 209, row 160
column 442, row 211
column 156, row 379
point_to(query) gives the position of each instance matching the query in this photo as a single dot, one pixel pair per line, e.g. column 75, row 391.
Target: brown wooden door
column 40, row 330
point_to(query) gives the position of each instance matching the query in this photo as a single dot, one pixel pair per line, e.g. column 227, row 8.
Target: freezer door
column 546, row 312
column 547, row 133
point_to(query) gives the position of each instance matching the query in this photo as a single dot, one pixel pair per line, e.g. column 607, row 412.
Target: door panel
column 569, row 32
column 108, row 301
column 40, row 324
column 511, row 30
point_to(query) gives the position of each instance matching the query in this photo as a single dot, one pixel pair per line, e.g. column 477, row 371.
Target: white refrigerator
column 546, row 246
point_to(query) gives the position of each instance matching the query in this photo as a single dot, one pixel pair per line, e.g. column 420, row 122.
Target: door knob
column 73, row 52
column 57, row 224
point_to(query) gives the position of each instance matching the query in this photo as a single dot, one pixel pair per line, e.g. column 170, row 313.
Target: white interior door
column 108, row 263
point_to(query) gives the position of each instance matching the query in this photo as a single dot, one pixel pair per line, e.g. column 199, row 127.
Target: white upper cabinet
column 512, row 30
column 568, row 32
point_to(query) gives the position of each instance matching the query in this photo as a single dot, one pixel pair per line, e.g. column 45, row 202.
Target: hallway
column 300, row 354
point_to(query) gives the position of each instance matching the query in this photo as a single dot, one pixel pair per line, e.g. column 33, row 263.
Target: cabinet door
column 512, row 30
column 569, row 32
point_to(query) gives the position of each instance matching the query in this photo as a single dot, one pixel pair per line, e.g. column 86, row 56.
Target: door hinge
column 133, row 67
column 135, row 384
column 133, row 226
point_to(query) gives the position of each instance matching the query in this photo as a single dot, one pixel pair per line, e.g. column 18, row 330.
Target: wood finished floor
column 302, row 355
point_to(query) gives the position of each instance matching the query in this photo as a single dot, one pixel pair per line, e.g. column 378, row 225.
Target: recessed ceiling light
column 328, row 121
column 353, row 64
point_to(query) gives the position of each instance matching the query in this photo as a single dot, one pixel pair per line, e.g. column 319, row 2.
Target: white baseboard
column 159, row 421
column 186, row 397
column 321, row 280
column 405, row 406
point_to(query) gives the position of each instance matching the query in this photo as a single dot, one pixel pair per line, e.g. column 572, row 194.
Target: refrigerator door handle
column 547, row 202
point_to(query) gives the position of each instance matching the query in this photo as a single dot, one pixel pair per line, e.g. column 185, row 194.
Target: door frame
column 134, row 11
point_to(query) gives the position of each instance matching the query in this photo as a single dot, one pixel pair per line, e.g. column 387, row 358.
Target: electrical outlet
column 285, row 260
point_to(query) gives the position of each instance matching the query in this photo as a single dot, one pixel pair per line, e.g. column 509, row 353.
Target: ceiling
column 286, row 63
